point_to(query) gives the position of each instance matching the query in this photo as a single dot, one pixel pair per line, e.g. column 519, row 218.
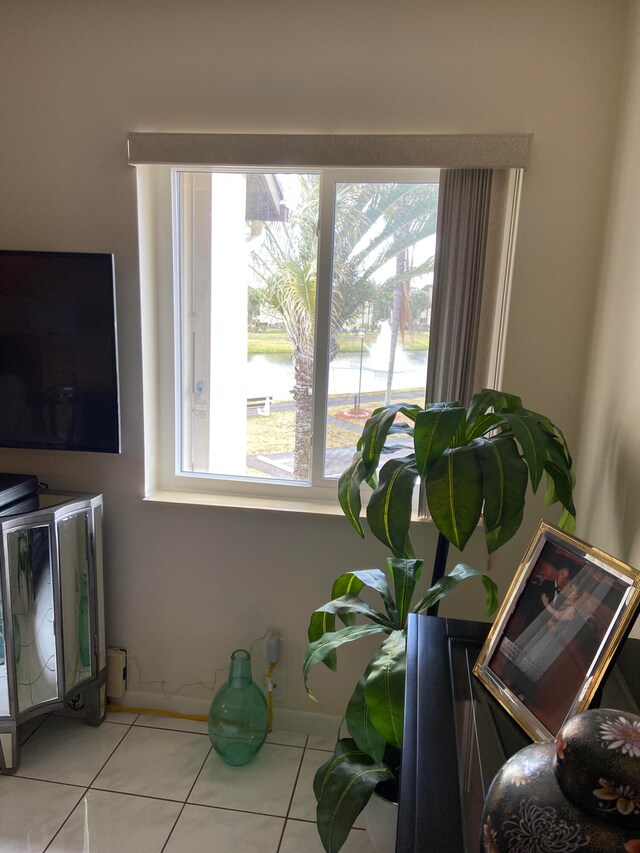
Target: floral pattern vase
column 579, row 793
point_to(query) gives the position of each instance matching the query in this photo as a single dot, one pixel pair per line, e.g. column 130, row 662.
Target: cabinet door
column 4, row 686
column 99, row 578
column 32, row 607
column 73, row 559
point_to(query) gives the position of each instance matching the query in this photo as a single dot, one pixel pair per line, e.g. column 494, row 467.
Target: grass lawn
column 269, row 341
column 276, row 341
column 276, row 433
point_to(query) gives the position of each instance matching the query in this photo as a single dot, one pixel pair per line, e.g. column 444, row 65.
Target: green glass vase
column 238, row 715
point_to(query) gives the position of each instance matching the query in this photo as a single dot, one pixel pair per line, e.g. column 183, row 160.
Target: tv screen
column 58, row 358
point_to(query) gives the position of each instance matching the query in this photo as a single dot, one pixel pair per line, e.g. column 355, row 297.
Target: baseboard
column 308, row 722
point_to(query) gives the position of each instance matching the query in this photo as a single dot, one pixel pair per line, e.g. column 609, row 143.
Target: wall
column 610, row 488
column 187, row 585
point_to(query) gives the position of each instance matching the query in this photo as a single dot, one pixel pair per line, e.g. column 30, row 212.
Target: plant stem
column 439, row 566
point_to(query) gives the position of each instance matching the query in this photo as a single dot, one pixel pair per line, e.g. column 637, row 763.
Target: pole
column 361, row 333
column 439, row 566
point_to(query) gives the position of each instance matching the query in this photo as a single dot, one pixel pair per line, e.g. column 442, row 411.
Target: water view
column 272, row 374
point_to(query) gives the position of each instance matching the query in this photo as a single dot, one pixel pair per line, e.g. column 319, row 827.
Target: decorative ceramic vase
column 579, row 793
column 238, row 716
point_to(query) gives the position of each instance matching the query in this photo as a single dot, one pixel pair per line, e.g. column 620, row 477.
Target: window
column 282, row 305
column 251, row 290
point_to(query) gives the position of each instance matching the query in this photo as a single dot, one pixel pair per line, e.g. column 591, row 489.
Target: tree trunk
column 303, row 399
column 396, row 316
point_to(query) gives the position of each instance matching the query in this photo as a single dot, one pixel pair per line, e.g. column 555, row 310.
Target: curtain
column 461, row 248
column 463, row 220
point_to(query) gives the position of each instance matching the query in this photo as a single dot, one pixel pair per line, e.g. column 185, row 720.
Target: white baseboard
column 307, row 722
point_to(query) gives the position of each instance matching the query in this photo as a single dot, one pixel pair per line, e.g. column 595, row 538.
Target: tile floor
column 151, row 784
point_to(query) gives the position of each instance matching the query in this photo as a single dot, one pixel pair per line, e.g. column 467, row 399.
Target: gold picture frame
column 566, row 612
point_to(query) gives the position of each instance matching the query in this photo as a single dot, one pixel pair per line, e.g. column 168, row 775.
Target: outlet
column 116, row 673
column 278, row 683
column 277, row 645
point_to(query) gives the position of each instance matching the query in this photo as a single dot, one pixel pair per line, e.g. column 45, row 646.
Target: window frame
column 161, row 364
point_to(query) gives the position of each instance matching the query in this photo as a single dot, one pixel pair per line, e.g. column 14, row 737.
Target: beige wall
column 187, row 585
column 609, row 490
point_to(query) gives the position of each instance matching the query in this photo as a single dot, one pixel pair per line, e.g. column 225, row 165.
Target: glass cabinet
column 52, row 634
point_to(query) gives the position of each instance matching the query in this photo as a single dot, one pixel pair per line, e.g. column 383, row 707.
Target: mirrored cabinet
column 52, row 634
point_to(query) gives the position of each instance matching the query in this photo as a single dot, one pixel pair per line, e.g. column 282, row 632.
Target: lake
column 272, row 374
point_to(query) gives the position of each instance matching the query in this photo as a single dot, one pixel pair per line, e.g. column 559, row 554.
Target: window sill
column 271, row 504
column 266, row 504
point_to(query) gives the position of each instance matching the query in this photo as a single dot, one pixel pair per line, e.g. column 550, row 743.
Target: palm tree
column 286, row 262
column 376, row 223
column 400, row 318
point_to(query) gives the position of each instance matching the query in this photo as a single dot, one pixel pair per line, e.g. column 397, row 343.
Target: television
column 58, row 352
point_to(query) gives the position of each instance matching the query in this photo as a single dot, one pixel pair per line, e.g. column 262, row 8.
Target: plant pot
column 381, row 821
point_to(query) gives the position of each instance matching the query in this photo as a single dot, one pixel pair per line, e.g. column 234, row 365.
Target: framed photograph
column 566, row 612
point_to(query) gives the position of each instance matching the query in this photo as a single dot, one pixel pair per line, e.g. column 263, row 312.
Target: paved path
column 280, row 465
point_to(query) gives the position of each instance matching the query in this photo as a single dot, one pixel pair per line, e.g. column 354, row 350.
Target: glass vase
column 238, row 715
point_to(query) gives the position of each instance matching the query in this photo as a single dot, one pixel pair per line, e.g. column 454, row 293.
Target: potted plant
column 474, row 463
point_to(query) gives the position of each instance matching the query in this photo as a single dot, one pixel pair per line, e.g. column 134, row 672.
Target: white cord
column 163, row 682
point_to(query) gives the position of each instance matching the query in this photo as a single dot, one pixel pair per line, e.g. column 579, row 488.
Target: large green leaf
column 374, row 435
column 560, row 477
column 322, row 623
column 555, row 433
column 563, row 485
column 558, row 453
column 454, row 494
column 433, row 433
column 567, row 521
column 389, row 509
column 405, row 575
column 550, row 496
column 480, row 405
column 384, row 690
column 349, row 491
column 375, row 579
column 449, row 582
column 346, row 584
column 482, row 425
column 328, row 643
column 504, row 402
column 488, row 399
column 343, row 786
column 353, row 604
column 499, row 535
column 505, row 479
column 532, row 441
column 359, row 724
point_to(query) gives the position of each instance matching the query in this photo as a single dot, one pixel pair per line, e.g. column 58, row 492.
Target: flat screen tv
column 58, row 352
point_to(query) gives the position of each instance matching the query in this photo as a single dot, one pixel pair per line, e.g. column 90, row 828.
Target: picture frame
column 568, row 608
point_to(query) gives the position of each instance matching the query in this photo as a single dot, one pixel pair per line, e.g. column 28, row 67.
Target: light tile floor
column 151, row 784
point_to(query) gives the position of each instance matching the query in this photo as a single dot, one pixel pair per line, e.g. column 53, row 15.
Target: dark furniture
column 457, row 737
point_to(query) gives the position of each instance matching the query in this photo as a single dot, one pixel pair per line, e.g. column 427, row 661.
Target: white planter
column 381, row 821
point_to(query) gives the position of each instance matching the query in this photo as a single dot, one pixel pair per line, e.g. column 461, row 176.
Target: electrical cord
column 272, row 666
column 162, row 711
column 116, row 708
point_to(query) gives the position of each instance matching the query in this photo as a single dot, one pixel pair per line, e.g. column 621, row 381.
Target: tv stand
column 52, row 632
